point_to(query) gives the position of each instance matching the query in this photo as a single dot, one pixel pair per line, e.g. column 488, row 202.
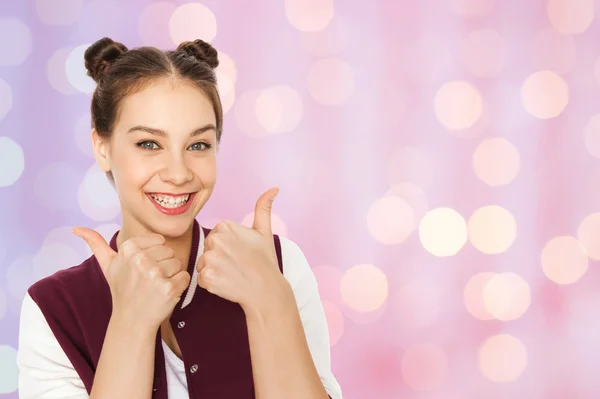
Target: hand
column 145, row 280
column 240, row 263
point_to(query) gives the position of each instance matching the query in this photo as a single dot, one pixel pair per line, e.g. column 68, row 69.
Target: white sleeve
column 304, row 284
column 45, row 371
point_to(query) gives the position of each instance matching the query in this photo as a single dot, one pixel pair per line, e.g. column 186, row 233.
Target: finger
column 159, row 253
column 170, row 267
column 181, row 281
column 102, row 251
column 262, row 211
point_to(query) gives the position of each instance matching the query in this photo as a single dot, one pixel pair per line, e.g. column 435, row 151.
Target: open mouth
column 171, row 204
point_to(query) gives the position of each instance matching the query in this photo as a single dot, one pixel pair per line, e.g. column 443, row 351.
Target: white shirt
column 47, row 373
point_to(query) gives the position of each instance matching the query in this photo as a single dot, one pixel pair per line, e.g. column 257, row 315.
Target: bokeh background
column 437, row 159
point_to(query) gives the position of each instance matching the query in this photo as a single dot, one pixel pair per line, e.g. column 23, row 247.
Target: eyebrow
column 159, row 132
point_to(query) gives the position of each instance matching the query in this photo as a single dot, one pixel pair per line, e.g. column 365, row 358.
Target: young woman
column 169, row 308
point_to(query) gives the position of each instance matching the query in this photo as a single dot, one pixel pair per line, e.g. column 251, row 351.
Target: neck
column 181, row 245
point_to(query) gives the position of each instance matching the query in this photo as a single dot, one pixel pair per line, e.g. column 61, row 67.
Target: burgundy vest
column 211, row 331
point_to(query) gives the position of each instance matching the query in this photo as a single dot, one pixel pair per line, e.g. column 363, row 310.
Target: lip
column 172, row 211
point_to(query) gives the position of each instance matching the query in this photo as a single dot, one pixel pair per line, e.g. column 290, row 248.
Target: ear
column 101, row 151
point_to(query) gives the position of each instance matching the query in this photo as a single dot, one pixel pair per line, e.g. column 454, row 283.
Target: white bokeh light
column 58, row 12
column 83, row 134
column 192, row 21
column 3, row 304
column 309, row 15
column 545, row 94
column 364, row 288
column 443, row 232
column 564, row 260
column 492, row 229
column 15, row 41
column 52, row 258
column 570, row 16
column 458, row 105
column 506, row 296
column 97, row 198
column 6, row 100
column 57, row 73
column 496, row 161
column 502, row 358
column 12, row 161
column 76, row 71
column 9, row 378
column 331, row 81
column 19, row 276
column 226, row 74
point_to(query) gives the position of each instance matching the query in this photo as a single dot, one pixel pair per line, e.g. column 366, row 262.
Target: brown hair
column 120, row 72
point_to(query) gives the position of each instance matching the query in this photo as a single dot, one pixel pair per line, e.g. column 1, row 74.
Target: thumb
column 262, row 211
column 103, row 252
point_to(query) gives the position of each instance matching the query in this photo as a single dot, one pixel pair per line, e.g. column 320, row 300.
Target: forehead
column 167, row 104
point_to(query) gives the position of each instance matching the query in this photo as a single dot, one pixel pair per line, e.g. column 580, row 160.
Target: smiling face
column 162, row 155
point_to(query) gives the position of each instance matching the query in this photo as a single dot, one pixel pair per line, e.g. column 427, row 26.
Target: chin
column 171, row 229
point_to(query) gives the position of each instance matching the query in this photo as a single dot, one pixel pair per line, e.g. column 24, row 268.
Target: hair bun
column 100, row 55
column 202, row 51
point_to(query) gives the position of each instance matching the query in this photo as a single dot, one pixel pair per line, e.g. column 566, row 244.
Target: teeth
column 170, row 202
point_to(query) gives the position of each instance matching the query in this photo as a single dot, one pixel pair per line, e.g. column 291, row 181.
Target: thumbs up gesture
column 240, row 263
column 145, row 280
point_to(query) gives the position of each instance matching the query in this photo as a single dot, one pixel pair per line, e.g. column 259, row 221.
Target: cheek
column 130, row 170
column 206, row 171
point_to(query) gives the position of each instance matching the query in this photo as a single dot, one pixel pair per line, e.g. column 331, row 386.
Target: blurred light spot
column 410, row 164
column 331, row 81
column 15, row 41
column 12, row 161
column 153, row 25
column 485, row 53
column 564, row 260
column 473, row 296
column 417, row 303
column 443, row 232
column 83, row 134
column 424, row 367
column 329, row 279
column 53, row 186
column 570, row 16
column 364, row 288
column 9, row 379
column 472, row 8
column 413, row 195
column 97, row 197
column 309, row 15
column 364, row 318
column 458, row 105
column 76, row 72
column 592, row 136
column 335, row 322
column 390, row 220
column 19, row 276
column 226, row 74
column 502, row 358
column 192, row 21
column 57, row 73
column 3, row 305
column 478, row 128
column 329, row 41
column 553, row 51
column 588, row 233
column 427, row 59
column 506, row 296
column 52, row 258
column 246, row 117
column 492, row 229
column 544, row 94
column 279, row 109
column 496, row 161
column 63, row 236
column 277, row 224
column 59, row 12
column 6, row 101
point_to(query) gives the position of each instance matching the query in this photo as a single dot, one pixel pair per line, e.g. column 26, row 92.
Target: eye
column 198, row 146
column 148, row 145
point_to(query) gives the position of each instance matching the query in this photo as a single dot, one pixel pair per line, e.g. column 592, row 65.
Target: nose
column 176, row 171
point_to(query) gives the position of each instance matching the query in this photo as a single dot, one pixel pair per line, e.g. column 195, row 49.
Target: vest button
column 194, row 368
column 181, row 324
